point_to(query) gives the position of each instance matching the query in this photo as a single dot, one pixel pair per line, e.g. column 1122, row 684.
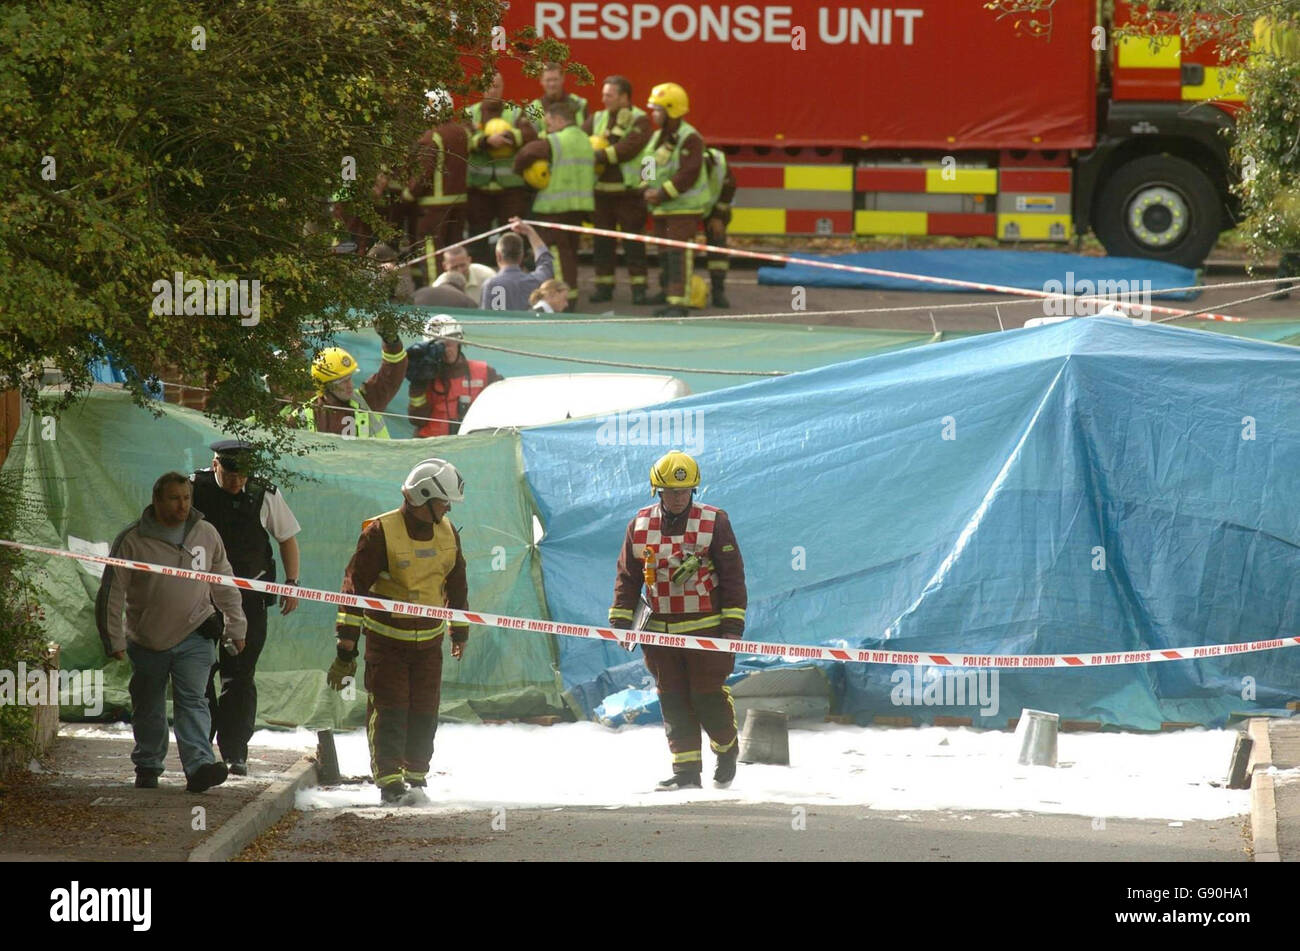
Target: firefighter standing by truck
column 440, row 186
column 412, row 553
column 678, row 194
column 568, row 197
column 552, row 81
column 496, row 192
column 687, row 556
column 620, row 134
column 722, row 188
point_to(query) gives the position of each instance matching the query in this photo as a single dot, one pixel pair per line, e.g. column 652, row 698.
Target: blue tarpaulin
column 1096, row 485
column 1031, row 270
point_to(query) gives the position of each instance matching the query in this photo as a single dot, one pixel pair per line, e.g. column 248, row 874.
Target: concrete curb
column 1263, row 805
column 256, row 817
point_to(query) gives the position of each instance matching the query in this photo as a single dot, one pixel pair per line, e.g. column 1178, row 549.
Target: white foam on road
column 1103, row 775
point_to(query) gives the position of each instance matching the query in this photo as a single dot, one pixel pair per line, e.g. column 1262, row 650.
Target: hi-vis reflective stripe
column 735, row 613
column 398, row 634
column 620, row 614
column 722, row 645
column 684, row 627
column 691, row 756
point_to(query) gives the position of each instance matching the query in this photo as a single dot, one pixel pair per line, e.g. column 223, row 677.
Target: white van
column 554, row 397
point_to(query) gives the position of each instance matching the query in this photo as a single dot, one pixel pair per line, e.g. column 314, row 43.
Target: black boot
column 638, row 294
column 657, row 299
column 602, row 293
column 146, row 779
column 392, row 794
column 206, row 776
column 719, row 295
column 671, row 312
column 725, row 771
column 680, row 781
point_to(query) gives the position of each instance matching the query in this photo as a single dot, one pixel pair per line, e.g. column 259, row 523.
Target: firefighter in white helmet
column 412, row 554
column 686, row 556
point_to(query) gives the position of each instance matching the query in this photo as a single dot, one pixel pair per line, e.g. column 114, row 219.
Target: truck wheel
column 1159, row 207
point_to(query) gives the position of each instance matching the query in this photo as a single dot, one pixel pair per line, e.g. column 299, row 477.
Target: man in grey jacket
column 162, row 623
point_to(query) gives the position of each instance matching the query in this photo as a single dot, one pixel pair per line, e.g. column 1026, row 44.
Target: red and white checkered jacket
column 718, row 588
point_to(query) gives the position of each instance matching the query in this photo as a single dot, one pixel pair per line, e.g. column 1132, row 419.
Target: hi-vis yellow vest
column 417, row 572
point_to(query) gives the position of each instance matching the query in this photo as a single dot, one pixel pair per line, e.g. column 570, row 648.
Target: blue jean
column 187, row 664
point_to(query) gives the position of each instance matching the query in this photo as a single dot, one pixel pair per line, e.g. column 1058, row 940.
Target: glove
column 622, row 624
column 460, row 633
column 338, row 670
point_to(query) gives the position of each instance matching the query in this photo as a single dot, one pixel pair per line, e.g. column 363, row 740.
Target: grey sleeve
column 545, row 269
column 110, row 603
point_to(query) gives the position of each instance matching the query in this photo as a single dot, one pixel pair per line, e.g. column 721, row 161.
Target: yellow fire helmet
column 538, row 175
column 499, row 126
column 333, row 364
column 673, row 99
column 676, row 470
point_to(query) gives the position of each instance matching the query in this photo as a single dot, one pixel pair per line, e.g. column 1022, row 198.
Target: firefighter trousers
column 403, row 681
column 486, row 209
column 624, row 210
column 715, row 229
column 564, row 247
column 693, row 694
column 676, row 264
column 436, row 227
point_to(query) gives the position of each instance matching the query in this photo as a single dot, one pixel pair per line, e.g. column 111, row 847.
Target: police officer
column 247, row 513
column 698, row 589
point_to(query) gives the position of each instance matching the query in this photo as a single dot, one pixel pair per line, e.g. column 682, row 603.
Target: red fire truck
column 1021, row 120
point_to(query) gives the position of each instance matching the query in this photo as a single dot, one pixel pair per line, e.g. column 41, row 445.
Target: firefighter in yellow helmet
column 678, row 192
column 341, row 407
column 685, row 556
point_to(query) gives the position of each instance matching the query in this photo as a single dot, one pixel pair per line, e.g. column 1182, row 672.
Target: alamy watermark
column 1100, row 294
column 38, row 687
column 923, row 686
column 678, row 428
column 193, row 297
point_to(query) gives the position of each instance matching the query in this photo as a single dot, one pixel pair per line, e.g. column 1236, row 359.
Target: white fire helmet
column 443, row 325
column 433, row 479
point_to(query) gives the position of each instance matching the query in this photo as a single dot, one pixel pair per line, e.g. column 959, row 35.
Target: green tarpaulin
column 94, row 477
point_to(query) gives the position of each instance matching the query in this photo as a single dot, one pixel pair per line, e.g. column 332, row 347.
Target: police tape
column 801, row 652
column 1124, row 302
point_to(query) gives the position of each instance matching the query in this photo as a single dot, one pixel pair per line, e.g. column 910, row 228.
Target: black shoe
column 601, row 294
column 680, row 781
column 657, row 299
column 671, row 312
column 144, row 779
column 725, row 771
column 206, row 776
column 238, row 768
column 720, row 300
column 638, row 294
column 391, row 795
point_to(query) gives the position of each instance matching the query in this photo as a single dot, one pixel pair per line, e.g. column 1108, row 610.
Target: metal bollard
column 1036, row 732
column 765, row 738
